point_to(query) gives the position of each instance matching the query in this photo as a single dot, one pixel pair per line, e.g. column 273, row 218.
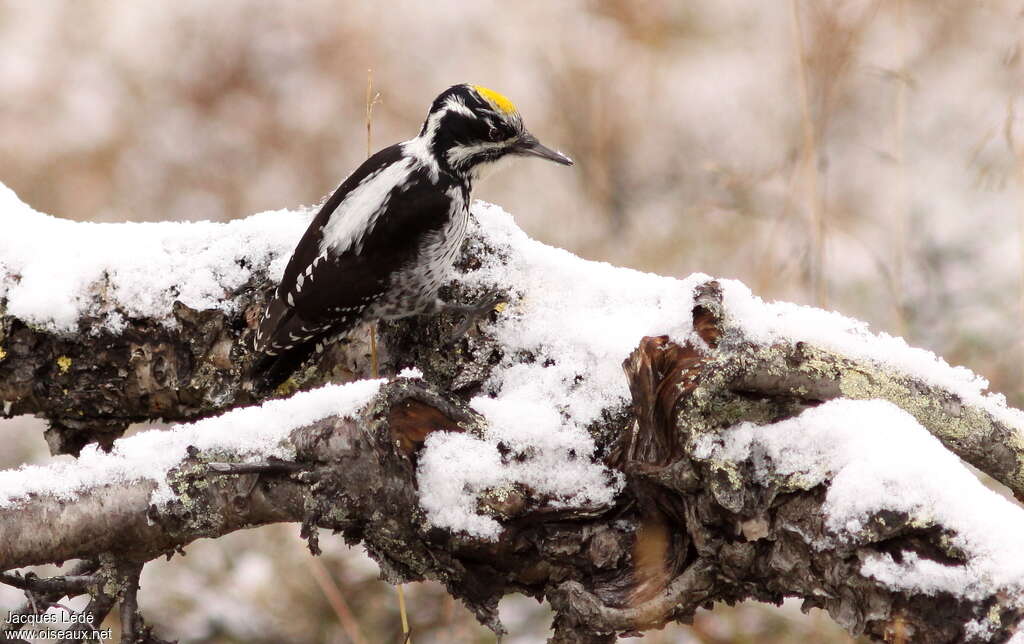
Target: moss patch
column 64, row 364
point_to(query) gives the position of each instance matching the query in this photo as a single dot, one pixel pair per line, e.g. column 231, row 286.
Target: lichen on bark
column 686, row 530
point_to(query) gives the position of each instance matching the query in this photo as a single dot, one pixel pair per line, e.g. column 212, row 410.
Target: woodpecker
column 384, row 242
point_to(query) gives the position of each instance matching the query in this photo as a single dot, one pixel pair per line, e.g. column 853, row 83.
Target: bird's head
column 470, row 127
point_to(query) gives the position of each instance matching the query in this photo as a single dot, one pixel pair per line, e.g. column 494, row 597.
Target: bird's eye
column 493, row 134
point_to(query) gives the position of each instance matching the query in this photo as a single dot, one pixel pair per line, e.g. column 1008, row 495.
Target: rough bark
column 683, row 535
column 90, row 386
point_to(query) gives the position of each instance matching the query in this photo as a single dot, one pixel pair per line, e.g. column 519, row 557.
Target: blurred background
column 865, row 156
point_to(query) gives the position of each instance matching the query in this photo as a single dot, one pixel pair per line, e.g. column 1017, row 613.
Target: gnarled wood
column 679, row 537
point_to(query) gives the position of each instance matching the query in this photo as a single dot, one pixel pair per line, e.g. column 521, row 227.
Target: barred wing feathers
column 347, row 258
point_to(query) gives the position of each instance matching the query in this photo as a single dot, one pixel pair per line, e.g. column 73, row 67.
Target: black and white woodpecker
column 383, row 244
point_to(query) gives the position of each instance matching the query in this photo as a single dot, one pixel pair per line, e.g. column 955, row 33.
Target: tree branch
column 728, row 537
column 699, row 508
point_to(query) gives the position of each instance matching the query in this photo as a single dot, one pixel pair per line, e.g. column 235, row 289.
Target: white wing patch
column 357, row 213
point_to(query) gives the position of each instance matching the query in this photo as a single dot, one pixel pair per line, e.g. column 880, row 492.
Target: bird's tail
column 269, row 371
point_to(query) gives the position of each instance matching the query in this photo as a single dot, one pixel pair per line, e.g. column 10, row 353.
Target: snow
column 410, row 372
column 580, row 320
column 576, row 319
column 774, row 322
column 246, row 434
column 51, row 268
column 878, row 457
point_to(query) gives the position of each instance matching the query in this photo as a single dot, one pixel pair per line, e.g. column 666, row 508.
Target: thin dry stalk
column 899, row 154
column 374, row 368
column 1018, row 162
column 809, row 163
column 899, row 631
column 448, row 617
column 336, row 599
column 406, row 633
column 770, row 272
column 371, row 100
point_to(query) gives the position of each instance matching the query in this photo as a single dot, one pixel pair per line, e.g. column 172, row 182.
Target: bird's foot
column 474, row 312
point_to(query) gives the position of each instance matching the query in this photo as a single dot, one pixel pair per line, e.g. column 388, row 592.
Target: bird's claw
column 474, row 312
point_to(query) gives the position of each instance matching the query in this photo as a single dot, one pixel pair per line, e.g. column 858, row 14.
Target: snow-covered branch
column 103, row 325
column 752, row 450
column 156, row 491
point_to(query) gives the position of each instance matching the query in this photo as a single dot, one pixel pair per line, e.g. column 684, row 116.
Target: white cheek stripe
column 459, row 153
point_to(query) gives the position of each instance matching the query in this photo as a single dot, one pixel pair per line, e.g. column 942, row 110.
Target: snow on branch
column 102, row 325
column 751, row 450
column 148, row 483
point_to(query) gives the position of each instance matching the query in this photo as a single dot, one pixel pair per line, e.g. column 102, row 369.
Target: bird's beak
column 529, row 145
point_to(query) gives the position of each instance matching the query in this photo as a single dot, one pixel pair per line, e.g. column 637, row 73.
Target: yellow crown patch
column 497, row 99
